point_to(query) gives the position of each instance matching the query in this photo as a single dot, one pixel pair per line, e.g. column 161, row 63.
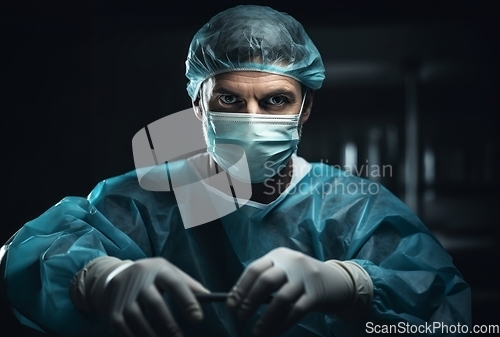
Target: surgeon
column 303, row 257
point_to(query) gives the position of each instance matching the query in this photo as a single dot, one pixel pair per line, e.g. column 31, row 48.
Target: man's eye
column 228, row 99
column 277, row 100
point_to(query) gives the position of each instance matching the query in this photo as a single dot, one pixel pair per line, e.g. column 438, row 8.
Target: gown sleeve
column 416, row 285
column 48, row 251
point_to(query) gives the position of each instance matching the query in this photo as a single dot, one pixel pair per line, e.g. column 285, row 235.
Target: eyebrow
column 286, row 92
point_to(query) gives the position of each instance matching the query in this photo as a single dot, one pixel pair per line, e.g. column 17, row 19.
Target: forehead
column 257, row 82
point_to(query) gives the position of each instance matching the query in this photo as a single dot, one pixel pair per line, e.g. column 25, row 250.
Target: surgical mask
column 251, row 147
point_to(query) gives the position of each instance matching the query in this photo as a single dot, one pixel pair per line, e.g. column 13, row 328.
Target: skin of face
column 256, row 93
column 253, row 92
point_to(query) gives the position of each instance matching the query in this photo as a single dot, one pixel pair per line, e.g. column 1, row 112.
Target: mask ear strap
column 202, row 106
column 302, row 105
column 299, row 127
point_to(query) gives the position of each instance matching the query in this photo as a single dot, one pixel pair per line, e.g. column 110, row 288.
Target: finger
column 175, row 284
column 299, row 310
column 247, row 279
column 269, row 281
column 117, row 322
column 279, row 307
column 152, row 300
column 194, row 285
column 136, row 321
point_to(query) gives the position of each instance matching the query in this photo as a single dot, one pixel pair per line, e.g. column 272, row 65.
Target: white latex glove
column 302, row 284
column 125, row 292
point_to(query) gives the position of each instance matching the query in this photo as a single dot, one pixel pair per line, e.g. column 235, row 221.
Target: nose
column 253, row 107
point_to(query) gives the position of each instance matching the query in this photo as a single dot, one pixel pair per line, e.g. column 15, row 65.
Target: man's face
column 254, row 93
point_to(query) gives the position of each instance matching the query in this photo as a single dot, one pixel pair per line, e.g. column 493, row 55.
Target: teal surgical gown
column 325, row 212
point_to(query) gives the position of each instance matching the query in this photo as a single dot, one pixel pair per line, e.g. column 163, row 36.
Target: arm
column 73, row 236
column 413, row 278
column 48, row 251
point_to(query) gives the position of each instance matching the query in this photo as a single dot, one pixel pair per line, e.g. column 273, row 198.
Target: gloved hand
column 125, row 292
column 302, row 284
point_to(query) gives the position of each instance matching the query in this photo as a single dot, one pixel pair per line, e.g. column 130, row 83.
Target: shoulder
column 338, row 188
column 155, row 182
column 331, row 180
column 126, row 185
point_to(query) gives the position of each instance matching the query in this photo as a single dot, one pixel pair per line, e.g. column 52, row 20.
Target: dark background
column 414, row 86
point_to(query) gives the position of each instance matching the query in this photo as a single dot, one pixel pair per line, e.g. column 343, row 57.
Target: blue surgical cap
column 253, row 38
